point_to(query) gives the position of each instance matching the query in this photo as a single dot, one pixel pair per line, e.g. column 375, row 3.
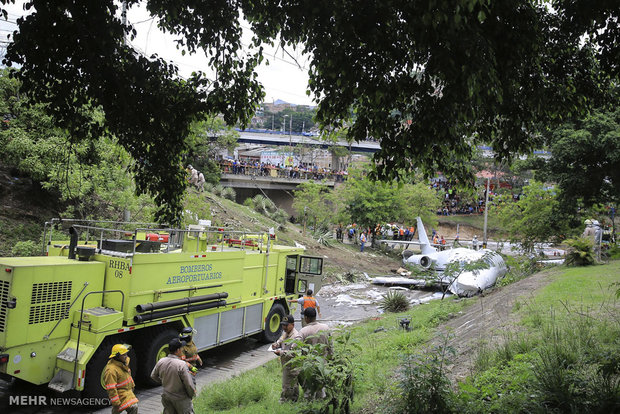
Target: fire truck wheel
column 152, row 349
column 94, row 385
column 273, row 329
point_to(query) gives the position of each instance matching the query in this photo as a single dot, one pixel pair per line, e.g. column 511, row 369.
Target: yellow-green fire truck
column 61, row 313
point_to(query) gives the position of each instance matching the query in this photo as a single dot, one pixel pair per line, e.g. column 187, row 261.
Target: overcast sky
column 282, row 78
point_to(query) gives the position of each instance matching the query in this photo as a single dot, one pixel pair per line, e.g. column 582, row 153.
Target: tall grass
column 565, row 358
column 381, row 342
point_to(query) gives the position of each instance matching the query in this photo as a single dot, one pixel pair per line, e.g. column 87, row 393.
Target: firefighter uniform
column 191, row 357
column 120, row 385
column 190, row 353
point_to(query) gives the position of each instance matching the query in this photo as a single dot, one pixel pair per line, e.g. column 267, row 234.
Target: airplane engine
column 425, row 262
column 417, row 259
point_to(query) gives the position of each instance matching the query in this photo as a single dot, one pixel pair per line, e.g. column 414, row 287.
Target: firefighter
column 306, row 302
column 118, row 381
column 190, row 352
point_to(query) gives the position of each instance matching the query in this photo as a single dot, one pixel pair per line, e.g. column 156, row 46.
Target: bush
column 423, row 386
column 519, row 267
column 580, row 252
column 229, row 193
column 569, row 365
column 26, row 248
column 394, row 301
column 328, row 368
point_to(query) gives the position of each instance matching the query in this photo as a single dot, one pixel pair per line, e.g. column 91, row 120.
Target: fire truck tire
column 151, row 349
column 273, row 327
column 94, row 385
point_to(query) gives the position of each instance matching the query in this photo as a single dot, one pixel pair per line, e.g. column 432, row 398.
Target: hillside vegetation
column 548, row 343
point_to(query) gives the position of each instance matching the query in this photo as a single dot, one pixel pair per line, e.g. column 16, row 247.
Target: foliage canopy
column 429, row 79
column 531, row 219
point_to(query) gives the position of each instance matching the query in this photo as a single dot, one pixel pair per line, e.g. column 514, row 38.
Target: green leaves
column 532, row 219
column 486, row 71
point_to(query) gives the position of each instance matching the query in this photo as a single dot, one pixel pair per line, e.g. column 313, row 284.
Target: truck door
column 291, row 274
column 309, row 272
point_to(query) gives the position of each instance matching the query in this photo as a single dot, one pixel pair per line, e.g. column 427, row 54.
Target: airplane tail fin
column 425, row 244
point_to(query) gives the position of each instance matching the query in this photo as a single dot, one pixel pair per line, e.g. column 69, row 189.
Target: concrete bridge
column 278, row 189
column 276, row 138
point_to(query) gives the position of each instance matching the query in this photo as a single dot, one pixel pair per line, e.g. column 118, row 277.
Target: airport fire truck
column 61, row 313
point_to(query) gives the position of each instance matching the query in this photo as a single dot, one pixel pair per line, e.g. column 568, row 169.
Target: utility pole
column 486, row 213
column 126, row 211
column 272, row 121
column 124, row 20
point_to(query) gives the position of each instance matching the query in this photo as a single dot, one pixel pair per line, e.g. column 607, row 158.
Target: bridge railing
column 282, row 173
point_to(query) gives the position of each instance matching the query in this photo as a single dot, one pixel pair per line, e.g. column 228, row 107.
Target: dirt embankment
column 488, row 321
column 24, row 208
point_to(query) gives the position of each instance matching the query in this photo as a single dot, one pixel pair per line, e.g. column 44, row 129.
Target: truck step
column 69, row 355
column 62, row 381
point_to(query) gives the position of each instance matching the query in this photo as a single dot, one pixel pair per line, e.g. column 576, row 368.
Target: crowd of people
column 301, row 171
column 388, row 231
column 453, row 204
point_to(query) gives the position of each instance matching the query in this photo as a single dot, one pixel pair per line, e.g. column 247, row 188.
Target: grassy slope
column 588, row 286
column 569, row 333
column 382, row 342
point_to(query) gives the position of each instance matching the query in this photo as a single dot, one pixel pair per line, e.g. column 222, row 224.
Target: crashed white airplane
column 467, row 282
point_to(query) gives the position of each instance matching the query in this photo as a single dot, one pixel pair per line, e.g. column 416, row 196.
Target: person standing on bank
column 306, row 302
column 314, row 333
column 362, row 241
column 118, row 381
column 290, row 389
column 172, row 372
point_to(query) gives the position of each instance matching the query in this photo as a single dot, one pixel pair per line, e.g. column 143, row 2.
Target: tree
column 74, row 59
column 428, row 79
column 368, row 202
column 89, row 177
column 207, row 138
column 585, row 160
column 531, row 219
column 313, row 203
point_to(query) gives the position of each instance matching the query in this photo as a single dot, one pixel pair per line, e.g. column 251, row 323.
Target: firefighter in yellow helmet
column 190, row 352
column 118, row 381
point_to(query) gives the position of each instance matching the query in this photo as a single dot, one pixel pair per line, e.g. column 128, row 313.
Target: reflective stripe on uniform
column 128, row 404
column 110, row 386
column 127, row 381
column 115, row 398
